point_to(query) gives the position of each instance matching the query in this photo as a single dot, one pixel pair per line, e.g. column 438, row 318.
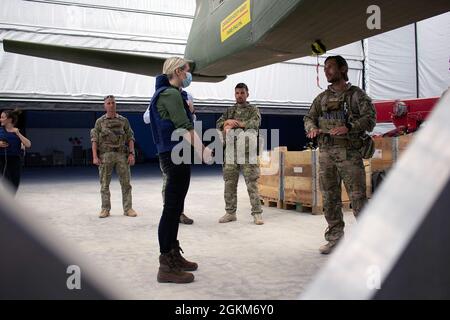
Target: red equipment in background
column 406, row 115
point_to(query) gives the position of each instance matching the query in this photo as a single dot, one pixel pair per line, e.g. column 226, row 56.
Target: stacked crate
column 293, row 182
column 385, row 153
column 388, row 150
column 292, row 177
column 289, row 179
column 300, row 187
column 403, row 142
column 271, row 176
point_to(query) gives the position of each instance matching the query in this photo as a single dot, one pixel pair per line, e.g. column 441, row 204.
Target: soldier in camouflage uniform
column 338, row 117
column 113, row 147
column 240, row 121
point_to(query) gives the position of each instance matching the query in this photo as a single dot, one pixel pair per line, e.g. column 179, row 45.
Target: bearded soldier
column 339, row 117
column 241, row 121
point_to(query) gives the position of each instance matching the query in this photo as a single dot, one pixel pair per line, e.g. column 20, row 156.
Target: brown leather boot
column 328, row 247
column 170, row 272
column 181, row 262
column 257, row 219
column 104, row 213
column 228, row 217
column 130, row 213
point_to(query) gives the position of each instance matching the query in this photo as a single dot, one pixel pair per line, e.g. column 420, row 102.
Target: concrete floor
column 237, row 260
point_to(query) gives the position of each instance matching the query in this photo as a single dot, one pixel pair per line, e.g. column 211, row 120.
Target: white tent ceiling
column 161, row 28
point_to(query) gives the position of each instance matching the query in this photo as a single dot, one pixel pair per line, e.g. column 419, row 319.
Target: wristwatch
column 131, row 153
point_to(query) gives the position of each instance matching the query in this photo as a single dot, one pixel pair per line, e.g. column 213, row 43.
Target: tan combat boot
column 257, row 218
column 170, row 272
column 185, row 219
column 104, row 213
column 181, row 262
column 328, row 247
column 131, row 213
column 228, row 217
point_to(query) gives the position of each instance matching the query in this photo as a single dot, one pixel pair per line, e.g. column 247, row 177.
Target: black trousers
column 177, row 184
column 11, row 166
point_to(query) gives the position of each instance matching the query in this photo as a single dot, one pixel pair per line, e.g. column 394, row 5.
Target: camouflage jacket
column 248, row 114
column 111, row 132
column 251, row 117
column 331, row 109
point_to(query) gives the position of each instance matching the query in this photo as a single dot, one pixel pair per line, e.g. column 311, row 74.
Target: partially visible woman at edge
column 170, row 112
column 11, row 144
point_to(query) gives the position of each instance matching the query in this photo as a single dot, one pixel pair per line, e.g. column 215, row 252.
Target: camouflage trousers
column 119, row 162
column 340, row 164
column 231, row 178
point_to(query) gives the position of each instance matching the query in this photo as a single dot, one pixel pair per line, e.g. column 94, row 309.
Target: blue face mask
column 188, row 80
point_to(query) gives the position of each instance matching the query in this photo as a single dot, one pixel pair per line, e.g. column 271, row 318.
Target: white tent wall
column 283, row 84
column 287, row 84
column 167, row 19
column 158, row 28
column 434, row 55
column 391, row 63
column 161, row 28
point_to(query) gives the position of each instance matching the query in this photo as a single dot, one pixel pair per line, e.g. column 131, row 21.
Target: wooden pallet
column 307, row 208
column 315, row 210
column 270, row 202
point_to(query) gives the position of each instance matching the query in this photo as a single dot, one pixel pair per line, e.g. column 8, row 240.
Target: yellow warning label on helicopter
column 235, row 21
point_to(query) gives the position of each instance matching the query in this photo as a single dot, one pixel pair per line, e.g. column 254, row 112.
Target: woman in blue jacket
column 169, row 112
column 11, row 144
